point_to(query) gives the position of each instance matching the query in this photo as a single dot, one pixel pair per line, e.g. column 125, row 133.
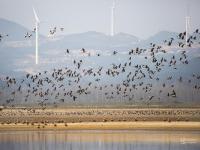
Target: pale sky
column 142, row 18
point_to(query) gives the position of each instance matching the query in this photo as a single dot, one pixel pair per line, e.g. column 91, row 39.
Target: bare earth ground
column 100, row 118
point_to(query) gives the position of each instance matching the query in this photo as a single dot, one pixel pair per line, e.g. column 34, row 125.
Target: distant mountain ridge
column 89, row 40
column 94, row 40
column 15, row 31
column 17, row 53
column 159, row 38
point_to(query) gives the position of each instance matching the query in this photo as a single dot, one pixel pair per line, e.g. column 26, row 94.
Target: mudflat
column 100, row 118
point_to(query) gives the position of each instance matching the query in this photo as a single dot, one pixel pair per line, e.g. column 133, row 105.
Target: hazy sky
column 141, row 18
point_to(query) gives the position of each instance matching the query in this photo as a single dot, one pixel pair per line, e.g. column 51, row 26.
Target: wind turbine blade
column 36, row 16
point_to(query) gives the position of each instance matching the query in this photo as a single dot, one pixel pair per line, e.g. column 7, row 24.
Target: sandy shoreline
column 99, row 118
column 105, row 126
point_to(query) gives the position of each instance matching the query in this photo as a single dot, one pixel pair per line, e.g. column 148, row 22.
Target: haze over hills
column 90, row 39
column 93, row 40
column 18, row 52
column 15, row 31
column 158, row 38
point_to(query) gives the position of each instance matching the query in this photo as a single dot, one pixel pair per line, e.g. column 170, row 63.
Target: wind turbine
column 187, row 25
column 187, row 28
column 37, row 22
column 112, row 25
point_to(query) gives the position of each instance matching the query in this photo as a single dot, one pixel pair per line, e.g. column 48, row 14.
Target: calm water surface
column 99, row 140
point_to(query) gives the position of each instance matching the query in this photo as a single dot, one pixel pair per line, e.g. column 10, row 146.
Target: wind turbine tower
column 187, row 26
column 37, row 22
column 112, row 25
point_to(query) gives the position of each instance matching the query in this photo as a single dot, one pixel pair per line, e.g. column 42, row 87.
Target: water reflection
column 99, row 140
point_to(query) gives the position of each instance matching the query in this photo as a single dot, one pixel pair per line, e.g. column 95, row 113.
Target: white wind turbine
column 187, row 25
column 37, row 22
column 112, row 25
column 187, row 28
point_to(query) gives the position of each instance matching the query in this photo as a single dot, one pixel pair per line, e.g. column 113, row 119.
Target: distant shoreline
column 190, row 126
column 99, row 118
column 114, row 106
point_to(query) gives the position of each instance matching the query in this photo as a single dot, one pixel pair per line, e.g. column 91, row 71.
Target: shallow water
column 99, row 140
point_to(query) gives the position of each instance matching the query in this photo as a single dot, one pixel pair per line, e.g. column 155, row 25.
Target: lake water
column 99, row 140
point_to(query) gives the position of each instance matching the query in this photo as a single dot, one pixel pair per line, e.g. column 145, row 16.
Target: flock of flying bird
column 3, row 36
column 30, row 34
column 51, row 32
column 72, row 83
